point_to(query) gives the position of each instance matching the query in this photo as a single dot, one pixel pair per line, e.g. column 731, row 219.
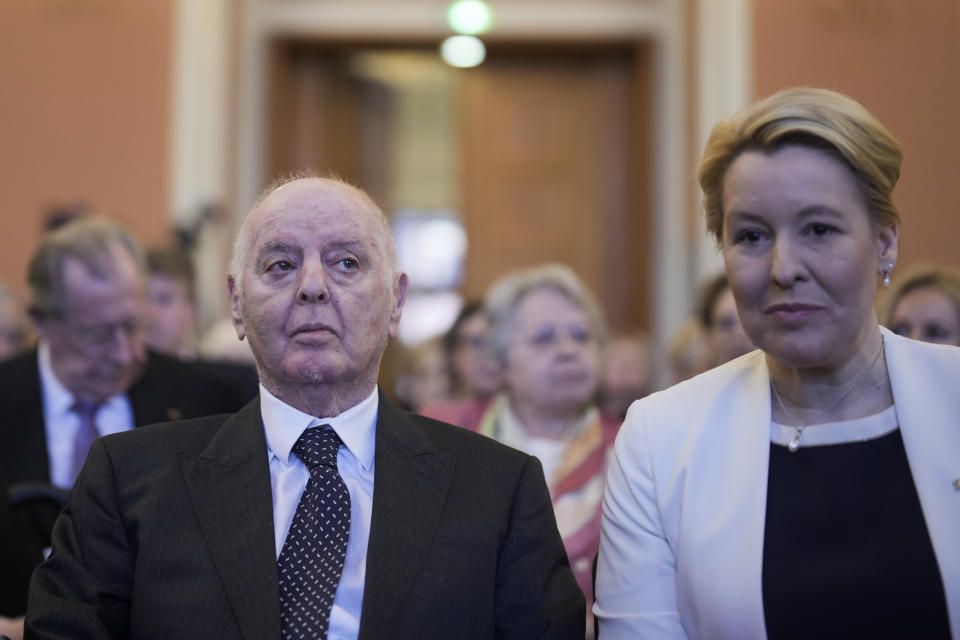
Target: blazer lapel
column 229, row 484
column 725, row 499
column 411, row 483
column 928, row 410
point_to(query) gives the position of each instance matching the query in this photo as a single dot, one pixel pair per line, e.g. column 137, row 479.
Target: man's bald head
column 323, row 187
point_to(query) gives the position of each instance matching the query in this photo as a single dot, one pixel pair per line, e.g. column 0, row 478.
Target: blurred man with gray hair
column 91, row 375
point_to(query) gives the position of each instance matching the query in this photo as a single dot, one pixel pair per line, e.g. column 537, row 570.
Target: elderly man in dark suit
column 91, row 375
column 266, row 523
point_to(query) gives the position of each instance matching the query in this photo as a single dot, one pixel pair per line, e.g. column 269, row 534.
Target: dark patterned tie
column 86, row 433
column 311, row 561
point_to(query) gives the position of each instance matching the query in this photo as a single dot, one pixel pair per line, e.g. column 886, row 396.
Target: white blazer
column 684, row 510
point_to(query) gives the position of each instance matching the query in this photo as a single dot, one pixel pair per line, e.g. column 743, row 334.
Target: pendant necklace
column 794, row 444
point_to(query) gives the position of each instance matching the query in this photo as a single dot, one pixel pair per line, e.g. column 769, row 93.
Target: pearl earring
column 886, row 275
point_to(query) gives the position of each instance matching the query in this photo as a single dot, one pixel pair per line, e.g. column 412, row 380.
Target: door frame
column 717, row 30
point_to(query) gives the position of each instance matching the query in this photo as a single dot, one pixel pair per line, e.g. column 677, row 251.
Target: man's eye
column 349, row 263
column 280, row 265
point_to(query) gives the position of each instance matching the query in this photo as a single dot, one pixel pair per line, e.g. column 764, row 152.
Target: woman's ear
column 887, row 247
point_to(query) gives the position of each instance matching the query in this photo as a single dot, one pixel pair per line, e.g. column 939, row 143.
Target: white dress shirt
column 288, row 477
column 61, row 423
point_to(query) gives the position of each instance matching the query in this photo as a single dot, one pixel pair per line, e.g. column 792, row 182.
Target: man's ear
column 234, row 291
column 400, row 298
column 40, row 320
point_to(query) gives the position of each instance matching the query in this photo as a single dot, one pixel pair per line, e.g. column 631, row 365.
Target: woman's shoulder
column 704, row 401
column 739, row 374
column 923, row 359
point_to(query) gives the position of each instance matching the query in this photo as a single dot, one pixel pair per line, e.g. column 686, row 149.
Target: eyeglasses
column 101, row 336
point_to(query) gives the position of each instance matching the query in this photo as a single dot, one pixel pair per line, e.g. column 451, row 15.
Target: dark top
column 846, row 551
column 169, row 534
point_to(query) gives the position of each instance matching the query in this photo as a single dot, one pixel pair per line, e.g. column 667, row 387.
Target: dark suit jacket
column 169, row 534
column 168, row 389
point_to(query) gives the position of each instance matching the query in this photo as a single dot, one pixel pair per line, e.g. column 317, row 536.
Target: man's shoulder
column 449, row 437
column 173, row 431
column 163, row 365
column 197, row 389
column 19, row 381
column 14, row 368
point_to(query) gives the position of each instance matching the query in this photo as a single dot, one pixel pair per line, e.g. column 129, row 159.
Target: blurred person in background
column 15, row 333
column 725, row 337
column 90, row 375
column 219, row 343
column 424, row 377
column 924, row 304
column 474, row 372
column 547, row 332
column 688, row 351
column 810, row 488
column 63, row 213
column 172, row 330
column 624, row 374
column 170, row 298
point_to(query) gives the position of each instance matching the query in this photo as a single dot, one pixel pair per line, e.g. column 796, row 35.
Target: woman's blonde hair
column 816, row 118
column 945, row 280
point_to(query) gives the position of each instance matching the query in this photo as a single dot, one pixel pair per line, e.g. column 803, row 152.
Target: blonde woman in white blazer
column 810, row 488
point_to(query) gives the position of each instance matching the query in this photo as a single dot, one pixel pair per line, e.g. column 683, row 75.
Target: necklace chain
column 794, row 444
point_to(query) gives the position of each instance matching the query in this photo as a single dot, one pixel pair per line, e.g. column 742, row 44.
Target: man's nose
column 313, row 282
column 128, row 345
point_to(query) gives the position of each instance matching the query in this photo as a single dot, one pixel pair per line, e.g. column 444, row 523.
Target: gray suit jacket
column 169, row 534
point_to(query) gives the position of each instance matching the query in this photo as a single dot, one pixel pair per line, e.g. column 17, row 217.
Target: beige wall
column 83, row 115
column 86, row 90
column 900, row 58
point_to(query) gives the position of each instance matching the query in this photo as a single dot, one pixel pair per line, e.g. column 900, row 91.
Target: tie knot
column 85, row 409
column 318, row 446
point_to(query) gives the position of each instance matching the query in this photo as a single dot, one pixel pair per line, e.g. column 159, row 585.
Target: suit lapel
column 927, row 412
column 229, row 485
column 411, row 483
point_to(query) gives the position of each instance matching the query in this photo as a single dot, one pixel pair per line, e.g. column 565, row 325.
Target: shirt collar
column 356, row 426
column 55, row 395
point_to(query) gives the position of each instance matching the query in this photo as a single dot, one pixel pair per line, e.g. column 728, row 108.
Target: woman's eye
column 821, row 229
column 748, row 236
column 901, row 329
column 580, row 334
column 542, row 338
column 934, row 332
